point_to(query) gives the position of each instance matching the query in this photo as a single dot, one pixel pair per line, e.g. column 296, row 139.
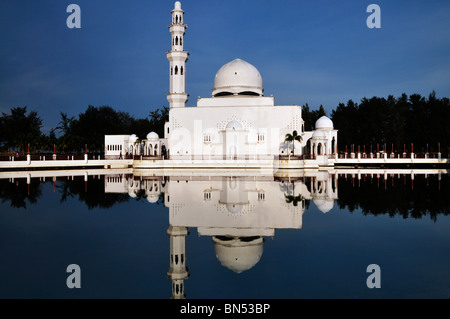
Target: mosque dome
column 234, row 125
column 152, row 135
column 324, row 123
column 237, row 78
column 238, row 254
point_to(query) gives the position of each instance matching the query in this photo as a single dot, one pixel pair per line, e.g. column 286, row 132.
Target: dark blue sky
column 315, row 52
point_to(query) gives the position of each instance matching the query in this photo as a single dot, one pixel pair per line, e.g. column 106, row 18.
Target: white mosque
column 237, row 123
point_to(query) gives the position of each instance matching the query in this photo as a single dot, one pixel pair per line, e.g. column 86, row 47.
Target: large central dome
column 238, row 78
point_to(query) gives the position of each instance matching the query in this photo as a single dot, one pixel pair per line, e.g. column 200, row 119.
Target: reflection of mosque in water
column 236, row 211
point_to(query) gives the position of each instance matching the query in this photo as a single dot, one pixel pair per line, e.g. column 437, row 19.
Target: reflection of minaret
column 178, row 271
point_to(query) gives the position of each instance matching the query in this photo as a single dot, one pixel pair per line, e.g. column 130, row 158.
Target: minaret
column 177, row 57
column 178, row 270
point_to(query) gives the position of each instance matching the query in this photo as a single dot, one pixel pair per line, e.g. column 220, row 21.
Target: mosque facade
column 237, row 122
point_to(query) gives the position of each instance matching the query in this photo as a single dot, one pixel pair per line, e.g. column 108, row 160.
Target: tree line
column 89, row 128
column 396, row 122
column 391, row 121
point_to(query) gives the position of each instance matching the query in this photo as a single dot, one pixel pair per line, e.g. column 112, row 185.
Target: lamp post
column 28, row 155
column 85, row 153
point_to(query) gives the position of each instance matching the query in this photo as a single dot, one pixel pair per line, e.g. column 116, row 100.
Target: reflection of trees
column 288, row 188
column 19, row 192
column 293, row 199
column 395, row 196
column 92, row 193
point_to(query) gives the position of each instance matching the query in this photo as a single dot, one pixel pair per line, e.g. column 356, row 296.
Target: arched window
column 176, row 69
column 176, row 40
column 176, row 19
column 181, row 70
column 181, row 40
column 171, row 70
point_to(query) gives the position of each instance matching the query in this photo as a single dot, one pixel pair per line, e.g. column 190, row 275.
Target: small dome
column 238, row 78
column 152, row 135
column 238, row 255
column 324, row 123
column 133, row 138
column 234, row 125
column 319, row 134
column 178, row 5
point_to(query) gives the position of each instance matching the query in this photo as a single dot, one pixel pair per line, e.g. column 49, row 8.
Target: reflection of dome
column 238, row 254
column 132, row 194
column 152, row 135
column 152, row 198
column 235, row 125
column 319, row 134
column 324, row 123
column 238, row 78
column 324, row 205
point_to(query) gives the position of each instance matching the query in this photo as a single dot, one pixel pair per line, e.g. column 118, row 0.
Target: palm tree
column 292, row 138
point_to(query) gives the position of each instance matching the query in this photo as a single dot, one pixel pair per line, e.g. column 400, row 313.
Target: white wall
column 188, row 126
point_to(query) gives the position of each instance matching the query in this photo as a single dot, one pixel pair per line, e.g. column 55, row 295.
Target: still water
column 298, row 234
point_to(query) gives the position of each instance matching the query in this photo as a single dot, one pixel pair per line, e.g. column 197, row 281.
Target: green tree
column 19, row 129
column 157, row 120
